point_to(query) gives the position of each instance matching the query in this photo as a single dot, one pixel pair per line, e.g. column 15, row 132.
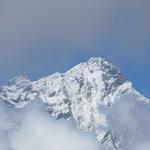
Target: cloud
column 33, row 129
column 145, row 146
column 129, row 120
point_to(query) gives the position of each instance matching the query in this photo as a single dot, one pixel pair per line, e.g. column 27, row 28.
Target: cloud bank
column 33, row 129
column 129, row 119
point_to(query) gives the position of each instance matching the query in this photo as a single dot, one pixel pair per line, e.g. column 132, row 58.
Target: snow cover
column 96, row 95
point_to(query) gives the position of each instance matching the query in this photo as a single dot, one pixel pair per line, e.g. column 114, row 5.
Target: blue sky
column 41, row 37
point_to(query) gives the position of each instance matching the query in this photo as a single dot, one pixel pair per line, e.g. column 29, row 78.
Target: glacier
column 96, row 95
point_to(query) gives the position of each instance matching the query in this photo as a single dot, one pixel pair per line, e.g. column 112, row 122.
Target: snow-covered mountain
column 90, row 93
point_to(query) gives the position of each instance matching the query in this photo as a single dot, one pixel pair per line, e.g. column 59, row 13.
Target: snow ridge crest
column 76, row 94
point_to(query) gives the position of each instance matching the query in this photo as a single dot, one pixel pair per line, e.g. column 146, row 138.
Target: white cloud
column 129, row 118
column 34, row 129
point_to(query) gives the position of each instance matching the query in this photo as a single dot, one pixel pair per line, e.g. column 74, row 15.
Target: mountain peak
column 96, row 60
column 76, row 94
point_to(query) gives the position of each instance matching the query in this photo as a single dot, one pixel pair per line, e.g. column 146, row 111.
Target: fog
column 32, row 128
column 129, row 120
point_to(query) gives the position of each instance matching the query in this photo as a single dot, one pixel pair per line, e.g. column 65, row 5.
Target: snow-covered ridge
column 76, row 94
column 92, row 76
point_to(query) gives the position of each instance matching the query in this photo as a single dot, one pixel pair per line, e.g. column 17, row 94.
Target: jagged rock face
column 76, row 94
column 18, row 91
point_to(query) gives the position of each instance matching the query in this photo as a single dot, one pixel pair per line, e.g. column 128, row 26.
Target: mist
column 32, row 128
column 129, row 120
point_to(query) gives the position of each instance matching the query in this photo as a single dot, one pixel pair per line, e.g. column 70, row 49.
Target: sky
column 41, row 37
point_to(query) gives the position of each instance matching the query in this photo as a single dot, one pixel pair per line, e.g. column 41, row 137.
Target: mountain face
column 90, row 93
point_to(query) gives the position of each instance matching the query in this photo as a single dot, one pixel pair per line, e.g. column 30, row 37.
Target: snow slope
column 95, row 94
